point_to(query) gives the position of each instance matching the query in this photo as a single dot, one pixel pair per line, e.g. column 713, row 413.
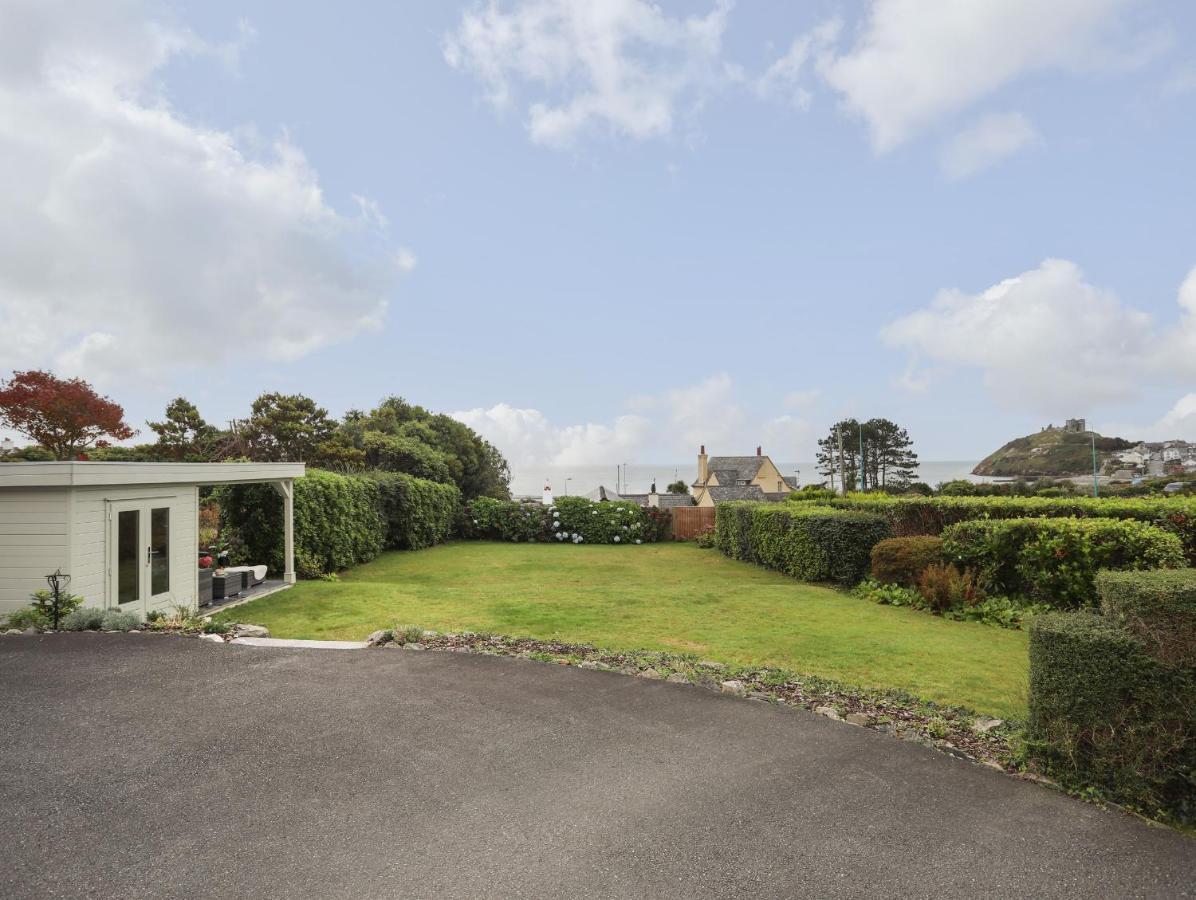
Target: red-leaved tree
column 66, row 416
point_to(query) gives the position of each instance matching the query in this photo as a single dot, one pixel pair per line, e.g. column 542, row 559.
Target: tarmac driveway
column 156, row 766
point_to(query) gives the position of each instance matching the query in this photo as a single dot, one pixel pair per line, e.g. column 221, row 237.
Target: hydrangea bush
column 573, row 520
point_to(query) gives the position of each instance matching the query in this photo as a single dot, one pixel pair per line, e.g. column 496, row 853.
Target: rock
column 250, row 631
column 1039, row 779
column 413, row 646
column 829, row 711
column 677, row 678
column 13, row 631
column 29, row 631
column 707, row 664
column 377, row 638
column 212, row 638
column 759, row 695
column 431, row 634
column 588, row 664
column 858, row 719
column 984, row 726
column 134, row 631
column 733, row 687
column 651, row 673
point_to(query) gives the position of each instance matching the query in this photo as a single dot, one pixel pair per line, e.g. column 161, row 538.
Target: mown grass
column 672, row 597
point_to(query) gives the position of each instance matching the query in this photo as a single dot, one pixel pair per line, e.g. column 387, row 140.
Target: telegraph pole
column 842, row 464
column 1095, row 481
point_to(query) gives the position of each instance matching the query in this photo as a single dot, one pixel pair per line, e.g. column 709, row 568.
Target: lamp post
column 567, row 480
column 1095, row 482
column 861, row 457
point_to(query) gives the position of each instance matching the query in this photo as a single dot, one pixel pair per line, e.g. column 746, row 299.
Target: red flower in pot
column 205, row 562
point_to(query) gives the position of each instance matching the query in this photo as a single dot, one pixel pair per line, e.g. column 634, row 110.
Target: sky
column 610, row 230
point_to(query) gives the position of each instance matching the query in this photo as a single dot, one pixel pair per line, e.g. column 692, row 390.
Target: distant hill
column 1054, row 452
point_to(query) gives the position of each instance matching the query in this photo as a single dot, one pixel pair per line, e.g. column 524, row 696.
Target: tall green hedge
column 418, row 513
column 807, row 541
column 1055, row 560
column 340, row 520
column 1104, row 712
column 1158, row 607
column 930, row 515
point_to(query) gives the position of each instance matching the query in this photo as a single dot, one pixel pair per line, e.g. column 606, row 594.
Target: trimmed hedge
column 1158, row 607
column 575, row 520
column 902, row 560
column 931, row 515
column 807, row 541
column 340, row 520
column 1104, row 712
column 1055, row 560
column 418, row 513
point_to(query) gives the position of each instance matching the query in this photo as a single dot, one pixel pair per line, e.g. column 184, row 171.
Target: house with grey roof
column 739, row 478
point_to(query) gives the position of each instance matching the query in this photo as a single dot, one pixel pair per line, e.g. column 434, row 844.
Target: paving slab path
column 159, row 766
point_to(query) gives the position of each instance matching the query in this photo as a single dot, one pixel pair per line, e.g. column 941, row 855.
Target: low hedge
column 902, row 560
column 807, row 541
column 931, row 515
column 575, row 520
column 1158, row 607
column 1055, row 560
column 340, row 520
column 1104, row 712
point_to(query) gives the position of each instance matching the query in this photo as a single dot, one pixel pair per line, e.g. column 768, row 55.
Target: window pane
column 128, row 556
column 159, row 550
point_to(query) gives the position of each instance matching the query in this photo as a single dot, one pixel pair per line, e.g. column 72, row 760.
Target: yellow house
column 738, row 478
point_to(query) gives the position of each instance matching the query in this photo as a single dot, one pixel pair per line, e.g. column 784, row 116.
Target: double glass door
column 139, row 553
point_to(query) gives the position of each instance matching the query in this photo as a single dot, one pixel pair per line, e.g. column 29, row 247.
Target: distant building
column 1078, row 426
column 603, row 494
column 738, row 478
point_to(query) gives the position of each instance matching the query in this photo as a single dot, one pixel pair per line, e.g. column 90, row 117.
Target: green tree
column 678, row 487
column 285, row 428
column 183, row 434
column 888, row 460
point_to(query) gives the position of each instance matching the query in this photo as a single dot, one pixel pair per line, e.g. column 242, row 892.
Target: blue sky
column 603, row 231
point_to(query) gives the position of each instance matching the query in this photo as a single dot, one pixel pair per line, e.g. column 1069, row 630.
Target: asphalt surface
column 156, row 766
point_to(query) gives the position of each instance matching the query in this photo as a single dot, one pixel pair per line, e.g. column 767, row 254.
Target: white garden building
column 125, row 533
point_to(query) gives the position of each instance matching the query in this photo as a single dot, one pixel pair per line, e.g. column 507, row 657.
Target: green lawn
column 668, row 596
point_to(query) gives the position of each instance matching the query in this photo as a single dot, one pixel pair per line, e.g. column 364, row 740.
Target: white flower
column 475, row 521
column 593, row 512
column 556, row 524
column 638, row 541
column 624, row 527
column 555, row 514
column 616, row 539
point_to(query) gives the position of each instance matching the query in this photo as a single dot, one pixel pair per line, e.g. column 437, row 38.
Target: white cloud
column 985, row 143
column 668, row 425
column 619, row 65
column 1178, row 422
column 786, row 77
column 1047, row 340
column 803, row 399
column 129, row 235
column 915, row 62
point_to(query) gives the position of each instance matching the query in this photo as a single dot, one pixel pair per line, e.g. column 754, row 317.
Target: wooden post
column 287, row 490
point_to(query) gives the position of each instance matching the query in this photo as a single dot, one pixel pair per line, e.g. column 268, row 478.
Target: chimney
column 758, row 449
column 653, row 497
column 702, row 473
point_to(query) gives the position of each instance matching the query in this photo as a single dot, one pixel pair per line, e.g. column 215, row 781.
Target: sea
column 636, row 478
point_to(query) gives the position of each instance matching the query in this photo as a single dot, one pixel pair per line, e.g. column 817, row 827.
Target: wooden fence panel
column 689, row 520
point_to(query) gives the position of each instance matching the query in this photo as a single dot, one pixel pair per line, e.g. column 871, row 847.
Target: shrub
column 86, row 618
column 1104, row 712
column 902, row 560
column 814, row 492
column 338, row 522
column 888, row 594
column 118, row 620
column 1056, row 560
column 571, row 520
column 705, row 538
column 418, row 513
column 55, row 607
column 1158, row 607
column 931, row 515
column 943, row 586
column 813, row 543
column 29, row 617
